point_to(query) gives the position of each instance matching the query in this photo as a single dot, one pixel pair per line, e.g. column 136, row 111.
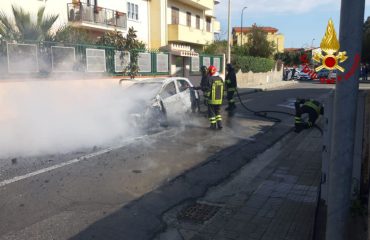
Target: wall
column 360, row 170
column 251, row 79
column 277, row 38
column 182, row 18
column 158, row 24
column 141, row 25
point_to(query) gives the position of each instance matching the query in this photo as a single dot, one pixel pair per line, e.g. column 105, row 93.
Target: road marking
column 79, row 159
column 288, row 103
column 73, row 161
column 48, row 169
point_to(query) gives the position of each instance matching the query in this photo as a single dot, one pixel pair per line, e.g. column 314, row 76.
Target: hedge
column 254, row 64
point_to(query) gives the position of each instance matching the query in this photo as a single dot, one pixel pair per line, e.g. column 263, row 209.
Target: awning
column 185, row 53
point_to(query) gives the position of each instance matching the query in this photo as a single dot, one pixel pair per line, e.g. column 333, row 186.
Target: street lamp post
column 228, row 33
column 312, row 42
column 241, row 27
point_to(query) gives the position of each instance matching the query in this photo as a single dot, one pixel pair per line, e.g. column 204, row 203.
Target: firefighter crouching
column 312, row 107
column 214, row 89
column 230, row 85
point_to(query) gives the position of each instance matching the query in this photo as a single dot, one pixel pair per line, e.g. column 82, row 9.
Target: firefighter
column 214, row 89
column 203, row 83
column 230, row 85
column 312, row 107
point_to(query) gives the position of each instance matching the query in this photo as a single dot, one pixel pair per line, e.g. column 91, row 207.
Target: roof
column 292, row 49
column 248, row 29
column 299, row 49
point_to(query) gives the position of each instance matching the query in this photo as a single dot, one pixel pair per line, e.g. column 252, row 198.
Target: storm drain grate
column 199, row 212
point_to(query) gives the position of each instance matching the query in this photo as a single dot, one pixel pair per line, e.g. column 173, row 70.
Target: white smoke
column 43, row 117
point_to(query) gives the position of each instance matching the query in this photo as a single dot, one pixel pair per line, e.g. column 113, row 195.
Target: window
column 183, row 85
column 208, row 21
column 132, row 11
column 188, row 19
column 175, row 15
column 198, row 22
column 169, row 90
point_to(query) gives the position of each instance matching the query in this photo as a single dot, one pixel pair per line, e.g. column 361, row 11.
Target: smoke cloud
column 44, row 117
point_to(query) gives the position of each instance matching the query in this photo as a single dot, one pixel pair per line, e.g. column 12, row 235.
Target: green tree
column 216, row 48
column 128, row 43
column 293, row 58
column 113, row 38
column 20, row 26
column 134, row 46
column 70, row 34
column 366, row 41
column 258, row 45
column 240, row 50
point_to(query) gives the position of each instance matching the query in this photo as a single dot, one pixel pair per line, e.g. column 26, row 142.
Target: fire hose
column 263, row 113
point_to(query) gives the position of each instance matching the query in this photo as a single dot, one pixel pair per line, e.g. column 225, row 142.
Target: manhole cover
column 199, row 212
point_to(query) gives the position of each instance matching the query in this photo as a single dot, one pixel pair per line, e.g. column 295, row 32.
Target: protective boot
column 231, row 107
column 213, row 126
column 299, row 127
column 219, row 124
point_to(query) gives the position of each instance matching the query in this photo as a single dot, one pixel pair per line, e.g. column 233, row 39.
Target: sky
column 302, row 22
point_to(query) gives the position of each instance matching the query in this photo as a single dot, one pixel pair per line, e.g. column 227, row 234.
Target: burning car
column 159, row 101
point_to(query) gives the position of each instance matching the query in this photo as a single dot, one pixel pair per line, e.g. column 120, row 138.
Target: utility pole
column 228, row 34
column 345, row 109
column 241, row 27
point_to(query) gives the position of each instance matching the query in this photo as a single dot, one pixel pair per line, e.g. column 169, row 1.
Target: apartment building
column 97, row 16
column 178, row 27
column 272, row 35
column 182, row 28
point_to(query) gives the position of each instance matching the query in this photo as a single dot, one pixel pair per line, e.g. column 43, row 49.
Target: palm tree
column 23, row 28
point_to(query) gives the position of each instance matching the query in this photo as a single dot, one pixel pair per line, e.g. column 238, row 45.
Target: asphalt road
column 63, row 196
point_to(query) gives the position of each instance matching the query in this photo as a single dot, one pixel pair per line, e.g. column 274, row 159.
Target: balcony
column 200, row 4
column 216, row 26
column 181, row 33
column 91, row 16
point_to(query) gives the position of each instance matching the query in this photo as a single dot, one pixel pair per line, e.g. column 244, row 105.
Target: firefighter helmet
column 212, row 70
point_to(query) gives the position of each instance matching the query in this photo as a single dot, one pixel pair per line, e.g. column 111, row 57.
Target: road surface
column 59, row 196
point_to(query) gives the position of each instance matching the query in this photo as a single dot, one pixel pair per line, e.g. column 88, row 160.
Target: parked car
column 331, row 77
column 323, row 73
column 159, row 101
column 302, row 75
column 288, row 74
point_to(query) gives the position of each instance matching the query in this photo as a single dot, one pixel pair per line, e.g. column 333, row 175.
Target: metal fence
column 205, row 60
column 48, row 57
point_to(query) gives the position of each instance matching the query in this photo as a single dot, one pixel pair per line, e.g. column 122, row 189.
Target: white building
column 97, row 16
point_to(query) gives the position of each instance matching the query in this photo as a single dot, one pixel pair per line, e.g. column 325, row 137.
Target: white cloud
column 273, row 6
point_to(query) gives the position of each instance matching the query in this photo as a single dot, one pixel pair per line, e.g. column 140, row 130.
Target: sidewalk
column 265, row 87
column 274, row 196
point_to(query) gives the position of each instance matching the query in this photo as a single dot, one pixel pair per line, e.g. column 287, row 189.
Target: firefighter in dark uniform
column 230, row 85
column 312, row 107
column 204, row 83
column 214, row 90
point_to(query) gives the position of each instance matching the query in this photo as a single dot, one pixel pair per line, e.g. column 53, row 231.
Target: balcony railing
column 81, row 12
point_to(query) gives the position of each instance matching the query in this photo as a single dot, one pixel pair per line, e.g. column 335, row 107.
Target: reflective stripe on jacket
column 217, row 89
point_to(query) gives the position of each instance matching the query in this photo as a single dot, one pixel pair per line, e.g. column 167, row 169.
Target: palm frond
column 22, row 19
column 47, row 22
column 7, row 27
column 40, row 15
